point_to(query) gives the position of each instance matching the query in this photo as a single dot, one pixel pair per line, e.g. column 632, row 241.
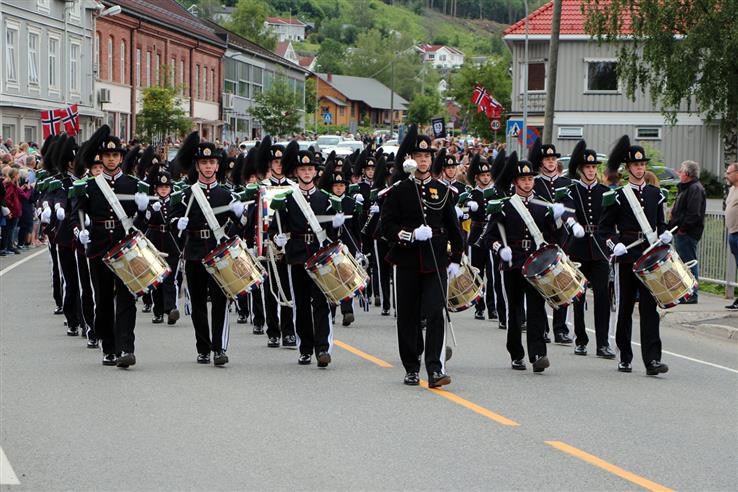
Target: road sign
column 495, row 125
column 514, row 128
column 533, row 135
column 327, row 118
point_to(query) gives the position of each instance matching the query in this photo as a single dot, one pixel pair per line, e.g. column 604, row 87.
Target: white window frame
column 205, row 83
column 96, row 66
column 122, row 61
column 638, row 132
column 31, row 62
column 196, row 92
column 173, row 72
column 148, row 68
column 54, row 73
column 138, row 67
column 15, row 28
column 74, row 67
column 111, row 52
column 43, row 6
column 75, row 11
column 157, row 73
column 545, row 76
column 181, row 76
column 570, row 133
column 587, row 61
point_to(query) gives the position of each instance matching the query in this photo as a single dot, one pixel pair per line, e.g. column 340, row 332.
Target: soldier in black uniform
column 312, row 317
column 372, row 233
column 115, row 306
column 618, row 227
column 364, row 167
column 589, row 251
column 545, row 159
column 445, row 169
column 418, row 220
column 512, row 253
column 199, row 242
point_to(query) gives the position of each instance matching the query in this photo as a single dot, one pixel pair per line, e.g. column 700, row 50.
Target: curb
column 715, row 331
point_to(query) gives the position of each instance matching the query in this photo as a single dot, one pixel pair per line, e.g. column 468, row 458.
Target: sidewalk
column 708, row 317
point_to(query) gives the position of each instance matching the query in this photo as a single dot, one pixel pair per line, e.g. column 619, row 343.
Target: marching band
column 289, row 240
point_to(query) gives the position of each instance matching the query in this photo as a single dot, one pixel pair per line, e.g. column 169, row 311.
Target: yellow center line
column 615, row 470
column 363, row 355
column 470, row 405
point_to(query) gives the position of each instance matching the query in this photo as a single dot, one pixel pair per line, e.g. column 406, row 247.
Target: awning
column 335, row 101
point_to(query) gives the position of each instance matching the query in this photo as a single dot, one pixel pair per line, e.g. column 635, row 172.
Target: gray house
column 590, row 102
column 46, row 63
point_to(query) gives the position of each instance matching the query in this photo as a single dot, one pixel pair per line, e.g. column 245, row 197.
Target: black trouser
column 421, row 296
column 278, row 318
column 383, row 273
column 312, row 320
column 115, row 310
column 252, row 303
column 597, row 273
column 500, row 292
column 626, row 288
column 201, row 284
column 367, row 248
column 347, row 306
column 147, row 298
column 79, row 306
column 559, row 321
column 56, row 282
column 517, row 288
column 165, row 295
column 481, row 259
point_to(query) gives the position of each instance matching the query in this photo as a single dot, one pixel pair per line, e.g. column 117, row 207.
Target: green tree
column 677, row 51
column 330, row 56
column 311, row 104
column 277, row 109
column 247, row 20
column 422, row 108
column 162, row 114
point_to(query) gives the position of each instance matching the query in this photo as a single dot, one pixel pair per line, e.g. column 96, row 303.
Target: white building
column 441, row 56
column 286, row 29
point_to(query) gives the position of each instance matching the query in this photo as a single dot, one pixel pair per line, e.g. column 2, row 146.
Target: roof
column 169, row 14
column 432, row 48
column 371, row 92
column 572, row 20
column 282, row 20
column 282, row 47
column 306, row 61
column 335, row 101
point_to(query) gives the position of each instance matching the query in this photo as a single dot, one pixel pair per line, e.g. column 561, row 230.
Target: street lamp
column 114, row 10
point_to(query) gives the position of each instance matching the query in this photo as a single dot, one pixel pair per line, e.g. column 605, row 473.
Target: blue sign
column 327, row 118
column 514, row 128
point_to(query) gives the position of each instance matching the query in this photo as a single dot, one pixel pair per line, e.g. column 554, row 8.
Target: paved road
column 264, row 423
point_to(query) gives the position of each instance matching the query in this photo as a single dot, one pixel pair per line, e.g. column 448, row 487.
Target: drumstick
column 659, row 242
column 503, row 236
column 544, row 203
column 187, row 212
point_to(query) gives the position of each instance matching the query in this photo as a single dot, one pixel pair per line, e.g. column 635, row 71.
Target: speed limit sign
column 495, row 125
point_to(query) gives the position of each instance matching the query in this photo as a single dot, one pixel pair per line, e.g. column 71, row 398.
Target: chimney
column 330, row 77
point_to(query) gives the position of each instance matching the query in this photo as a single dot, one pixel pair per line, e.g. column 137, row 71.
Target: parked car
column 347, row 147
column 327, row 143
column 306, row 144
column 667, row 176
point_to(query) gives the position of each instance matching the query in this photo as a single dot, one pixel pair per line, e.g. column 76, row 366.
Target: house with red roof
column 440, row 56
column 286, row 28
column 591, row 102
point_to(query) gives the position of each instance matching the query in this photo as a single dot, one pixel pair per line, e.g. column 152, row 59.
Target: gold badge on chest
column 433, row 193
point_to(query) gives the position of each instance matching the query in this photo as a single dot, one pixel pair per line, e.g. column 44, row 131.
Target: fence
column 716, row 262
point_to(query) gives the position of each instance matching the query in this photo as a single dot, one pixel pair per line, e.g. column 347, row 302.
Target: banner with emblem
column 439, row 128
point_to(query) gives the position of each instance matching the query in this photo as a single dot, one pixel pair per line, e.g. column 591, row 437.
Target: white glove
column 666, row 237
column 46, row 216
column 237, row 208
column 577, row 229
column 87, row 220
column 45, row 204
column 84, row 237
column 338, row 220
column 453, row 270
column 423, row 233
column 359, row 198
column 473, row 206
column 156, row 206
column 142, row 201
column 6, row 211
column 558, row 210
column 280, row 240
column 506, row 254
column 374, row 209
column 182, row 223
column 619, row 249
column 459, row 212
column 57, row 205
column 60, row 214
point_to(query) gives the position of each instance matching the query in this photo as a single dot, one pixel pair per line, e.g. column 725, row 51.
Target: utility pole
column 553, row 62
column 392, row 100
column 524, row 140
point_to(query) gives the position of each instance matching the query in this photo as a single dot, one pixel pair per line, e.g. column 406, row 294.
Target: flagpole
column 524, row 140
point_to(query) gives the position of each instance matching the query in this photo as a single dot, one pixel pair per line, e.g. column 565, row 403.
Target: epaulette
column 142, row 186
column 358, row 207
column 353, row 189
column 176, row 197
column 279, row 202
column 562, row 192
column 490, row 192
column 610, row 197
column 463, row 197
column 247, row 193
column 495, row 206
column 53, row 184
column 664, row 195
column 79, row 188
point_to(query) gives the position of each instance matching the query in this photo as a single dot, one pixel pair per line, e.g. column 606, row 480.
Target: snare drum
column 665, row 276
column 138, row 264
column 337, row 272
column 465, row 289
column 234, row 268
column 554, row 276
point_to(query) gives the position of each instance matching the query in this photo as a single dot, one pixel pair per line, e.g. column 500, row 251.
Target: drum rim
column 537, row 253
column 637, row 265
column 222, row 247
column 118, row 247
column 314, row 258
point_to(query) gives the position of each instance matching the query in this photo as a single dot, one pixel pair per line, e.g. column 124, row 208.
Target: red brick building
column 148, row 43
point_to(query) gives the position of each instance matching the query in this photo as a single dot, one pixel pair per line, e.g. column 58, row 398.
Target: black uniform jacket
column 479, row 218
column 402, row 213
column 162, row 233
column 588, row 204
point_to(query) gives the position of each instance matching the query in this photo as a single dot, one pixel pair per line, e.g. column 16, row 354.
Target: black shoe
column 60, row 310
column 289, row 341
column 691, row 300
column 411, row 379
column 625, row 367
column 242, row 319
column 146, row 308
column 478, row 315
column 502, row 325
column 541, row 363
column 83, row 332
column 172, row 316
column 15, row 251
column 546, row 338
column 348, row 318
column 438, row 379
column 324, row 358
column 126, row 359
column 562, row 338
column 377, row 301
column 273, row 342
column 258, row 330
column 656, row 367
column 305, row 359
column 92, row 343
column 203, row 358
column 605, row 352
column 580, row 350
column 220, row 358
column 493, row 315
column 72, row 331
column 518, row 365
column 158, row 319
column 385, row 312
column 524, row 327
column 729, row 306
column 108, row 359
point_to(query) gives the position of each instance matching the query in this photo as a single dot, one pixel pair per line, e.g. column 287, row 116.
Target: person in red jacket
column 11, row 210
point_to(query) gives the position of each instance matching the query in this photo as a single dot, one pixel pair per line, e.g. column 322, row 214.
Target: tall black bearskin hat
column 513, row 169
column 47, row 143
column 184, row 160
column 498, row 165
column 264, row 156
column 380, row 175
column 549, row 150
column 404, row 152
column 619, row 154
column 442, row 159
column 226, row 165
column 67, row 154
column 331, row 176
column 147, row 162
column 477, row 166
column 53, row 152
column 535, row 155
column 362, row 162
column 290, row 157
column 130, row 161
column 576, row 159
column 636, row 153
column 249, row 167
column 89, row 150
column 111, row 144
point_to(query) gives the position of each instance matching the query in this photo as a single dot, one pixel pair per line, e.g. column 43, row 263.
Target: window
column 648, row 133
column 536, row 76
column 442, row 58
column 172, row 75
column 205, row 92
column 33, row 67
column 602, row 76
column 43, row 6
column 341, row 111
column 74, row 52
column 148, row 69
column 29, row 133
column 122, row 62
column 431, row 56
column 138, row 67
column 53, row 62
column 181, row 76
column 570, row 132
column 96, row 66
column 11, row 50
column 9, row 131
column 213, row 87
column 157, row 68
column 75, row 12
column 110, row 58
column 196, row 92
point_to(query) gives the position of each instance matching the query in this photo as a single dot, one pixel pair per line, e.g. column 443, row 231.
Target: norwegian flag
column 70, row 118
column 51, row 123
column 485, row 102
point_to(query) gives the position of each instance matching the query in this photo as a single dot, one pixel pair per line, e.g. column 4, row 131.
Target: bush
column 713, row 185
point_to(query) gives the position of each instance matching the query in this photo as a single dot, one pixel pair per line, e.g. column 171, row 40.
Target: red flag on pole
column 50, row 123
column 70, row 119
